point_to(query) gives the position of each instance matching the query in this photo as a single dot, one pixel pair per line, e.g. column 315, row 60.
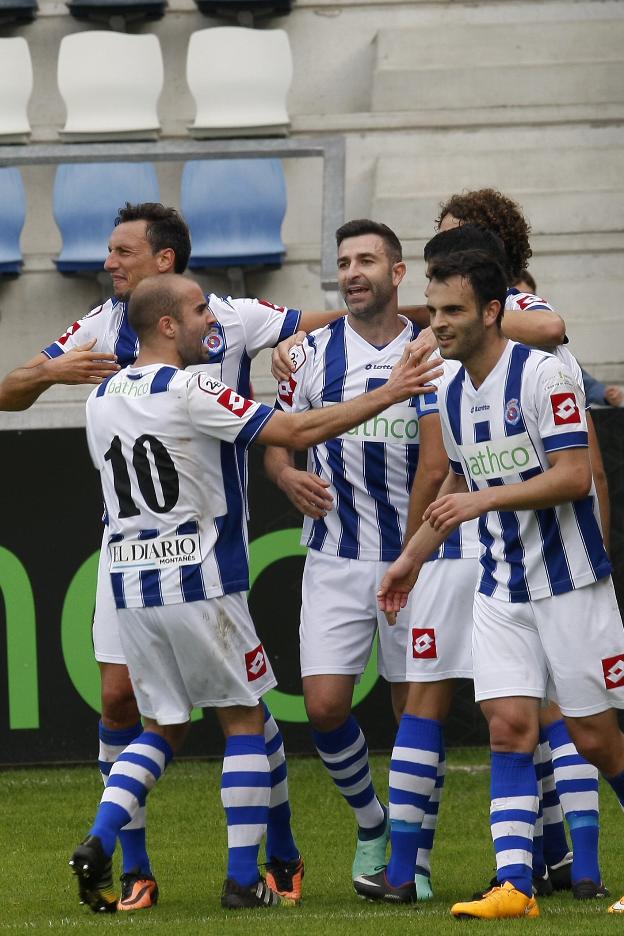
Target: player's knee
column 326, row 713
column 119, row 708
column 512, row 733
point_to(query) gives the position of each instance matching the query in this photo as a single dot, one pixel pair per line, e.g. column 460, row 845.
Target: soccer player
column 151, row 239
column 155, row 434
column 514, row 428
column 354, row 497
column 566, row 772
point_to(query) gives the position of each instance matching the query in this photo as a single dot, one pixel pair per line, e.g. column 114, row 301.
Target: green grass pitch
column 45, row 812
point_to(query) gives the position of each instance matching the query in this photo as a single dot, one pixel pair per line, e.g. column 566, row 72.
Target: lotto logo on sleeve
column 70, row 331
column 234, row 402
column 424, row 644
column 613, row 670
column 285, row 390
column 255, row 663
column 565, row 408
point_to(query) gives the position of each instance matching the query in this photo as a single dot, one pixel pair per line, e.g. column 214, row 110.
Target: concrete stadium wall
column 432, row 97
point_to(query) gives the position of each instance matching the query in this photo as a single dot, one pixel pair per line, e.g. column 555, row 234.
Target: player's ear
column 165, row 259
column 492, row 312
column 398, row 272
column 166, row 326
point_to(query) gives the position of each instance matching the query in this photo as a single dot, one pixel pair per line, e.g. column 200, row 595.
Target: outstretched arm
column 22, row 386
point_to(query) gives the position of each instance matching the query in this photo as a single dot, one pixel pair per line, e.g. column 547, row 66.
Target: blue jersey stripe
column 162, row 378
column 592, row 537
column 376, row 485
column 345, row 502
column 565, row 440
column 53, row 351
column 335, row 364
column 453, row 404
column 230, row 550
column 290, row 324
column 150, row 579
column 253, row 426
column 127, row 343
column 319, row 531
column 554, row 551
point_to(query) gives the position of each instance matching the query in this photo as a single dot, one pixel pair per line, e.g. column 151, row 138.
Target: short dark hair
column 480, row 268
column 165, row 228
column 526, row 277
column 363, row 226
column 466, row 237
column 152, row 298
column 496, row 212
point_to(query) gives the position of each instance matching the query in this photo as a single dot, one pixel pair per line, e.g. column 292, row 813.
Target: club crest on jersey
column 215, row 340
column 210, row 384
column 234, row 402
column 255, row 663
column 286, row 390
column 297, row 355
column 613, row 671
column 565, row 408
column 424, row 643
column 512, row 412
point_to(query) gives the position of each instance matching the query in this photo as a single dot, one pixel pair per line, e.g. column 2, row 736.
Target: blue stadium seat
column 12, row 217
column 235, row 209
column 117, row 12
column 87, row 197
column 17, row 11
column 245, row 12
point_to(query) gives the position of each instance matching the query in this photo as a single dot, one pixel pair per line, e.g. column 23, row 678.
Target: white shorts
column 106, row 639
column 576, row 639
column 439, row 643
column 201, row 654
column 339, row 619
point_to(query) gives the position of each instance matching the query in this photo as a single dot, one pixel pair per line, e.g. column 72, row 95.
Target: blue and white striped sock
column 555, row 841
column 577, row 785
column 430, row 819
column 539, row 862
column 132, row 837
column 280, row 843
column 130, row 779
column 413, row 772
column 245, row 794
column 513, row 811
column 345, row 754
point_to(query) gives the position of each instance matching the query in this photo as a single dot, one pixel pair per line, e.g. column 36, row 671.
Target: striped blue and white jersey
column 156, row 435
column 244, row 327
column 502, row 433
column 371, row 468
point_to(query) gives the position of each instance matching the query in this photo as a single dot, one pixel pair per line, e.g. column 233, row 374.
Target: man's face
column 456, row 320
column 130, row 258
column 367, row 278
column 195, row 322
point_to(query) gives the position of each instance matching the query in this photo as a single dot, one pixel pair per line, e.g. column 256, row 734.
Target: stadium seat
column 16, row 83
column 239, row 79
column 117, row 13
column 12, row 217
column 110, row 83
column 235, row 209
column 87, row 197
column 245, row 12
column 17, row 11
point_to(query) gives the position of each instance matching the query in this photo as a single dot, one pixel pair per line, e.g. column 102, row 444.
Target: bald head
column 155, row 297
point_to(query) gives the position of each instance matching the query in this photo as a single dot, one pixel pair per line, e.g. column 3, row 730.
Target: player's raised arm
column 24, row 385
column 411, row 376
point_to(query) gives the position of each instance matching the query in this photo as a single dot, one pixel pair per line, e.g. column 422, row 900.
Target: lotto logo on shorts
column 234, row 402
column 423, row 644
column 613, row 669
column 286, row 389
column 565, row 408
column 255, row 663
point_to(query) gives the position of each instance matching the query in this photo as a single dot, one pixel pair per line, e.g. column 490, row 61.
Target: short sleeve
column 560, row 405
column 264, row 323
column 293, row 393
column 219, row 411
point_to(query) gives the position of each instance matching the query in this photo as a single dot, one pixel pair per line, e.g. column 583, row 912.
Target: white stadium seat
column 240, row 80
column 16, row 84
column 110, row 83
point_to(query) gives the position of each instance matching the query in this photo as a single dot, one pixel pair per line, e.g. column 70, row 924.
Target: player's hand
column 614, row 396
column 425, row 340
column 282, row 365
column 446, row 513
column 395, row 587
column 307, row 492
column 413, row 373
column 82, row 366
